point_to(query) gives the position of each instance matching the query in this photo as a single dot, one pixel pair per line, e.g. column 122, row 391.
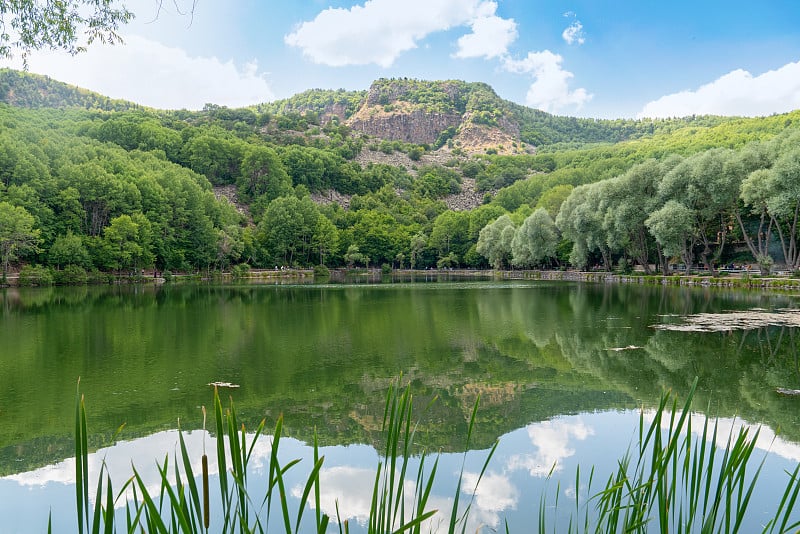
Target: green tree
column 494, row 242
column 263, row 174
column 552, row 199
column 69, row 249
column 628, row 200
column 708, row 186
column 325, row 239
column 536, row 240
column 354, row 257
column 129, row 242
column 215, row 154
column 378, row 235
column 580, row 220
column 230, row 246
column 451, row 233
column 305, row 166
column 672, row 226
column 287, row 228
column 418, row 243
column 17, row 234
column 783, row 203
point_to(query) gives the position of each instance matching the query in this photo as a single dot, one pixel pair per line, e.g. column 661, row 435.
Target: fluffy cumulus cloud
column 491, row 36
column 550, row 89
column 156, row 75
column 735, row 93
column 551, row 440
column 573, row 34
column 379, row 31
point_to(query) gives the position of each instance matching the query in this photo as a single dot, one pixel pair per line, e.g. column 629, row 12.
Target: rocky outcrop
column 420, row 112
column 337, row 110
column 410, row 126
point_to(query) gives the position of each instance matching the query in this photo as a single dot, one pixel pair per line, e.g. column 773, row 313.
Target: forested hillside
column 92, row 185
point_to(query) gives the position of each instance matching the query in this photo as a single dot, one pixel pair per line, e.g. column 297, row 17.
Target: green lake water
column 561, row 370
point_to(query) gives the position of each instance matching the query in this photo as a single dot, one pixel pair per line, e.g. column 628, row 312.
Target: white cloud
column 494, row 492
column 491, row 36
column 736, row 93
column 550, row 90
column 551, row 439
column 574, row 33
column 379, row 31
column 152, row 74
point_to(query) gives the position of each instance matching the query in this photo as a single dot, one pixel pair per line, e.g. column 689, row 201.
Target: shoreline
column 734, row 280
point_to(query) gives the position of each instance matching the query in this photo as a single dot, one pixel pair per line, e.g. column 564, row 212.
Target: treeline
column 121, row 192
column 670, row 210
column 84, row 190
column 27, row 90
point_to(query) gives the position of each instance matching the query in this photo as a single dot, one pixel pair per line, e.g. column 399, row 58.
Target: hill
column 26, row 90
column 408, row 173
column 468, row 117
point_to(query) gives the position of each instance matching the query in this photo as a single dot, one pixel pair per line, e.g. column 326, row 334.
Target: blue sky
column 586, row 58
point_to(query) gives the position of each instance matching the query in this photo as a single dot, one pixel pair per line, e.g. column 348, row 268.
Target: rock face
column 416, row 126
column 420, row 112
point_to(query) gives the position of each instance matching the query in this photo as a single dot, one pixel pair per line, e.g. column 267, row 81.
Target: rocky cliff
column 469, row 116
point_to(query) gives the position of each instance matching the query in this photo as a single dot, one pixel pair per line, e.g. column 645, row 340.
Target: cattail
column 206, row 510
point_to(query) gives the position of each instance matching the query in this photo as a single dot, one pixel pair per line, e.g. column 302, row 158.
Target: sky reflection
column 509, row 490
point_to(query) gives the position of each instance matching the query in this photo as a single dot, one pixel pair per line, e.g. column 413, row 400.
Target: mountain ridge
column 466, row 116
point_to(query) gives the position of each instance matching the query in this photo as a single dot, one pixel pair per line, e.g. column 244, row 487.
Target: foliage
column 495, row 241
column 318, row 101
column 18, row 237
column 77, row 169
column 320, row 271
column 29, row 90
column 71, row 275
column 35, row 275
column 31, row 25
column 434, row 181
column 535, row 241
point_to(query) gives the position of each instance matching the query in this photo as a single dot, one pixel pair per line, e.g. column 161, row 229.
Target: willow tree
column 777, row 193
column 580, row 220
column 536, row 240
column 707, row 185
column 629, row 199
column 494, row 241
column 672, row 226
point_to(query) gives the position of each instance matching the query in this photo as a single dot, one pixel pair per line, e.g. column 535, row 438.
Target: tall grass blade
column 81, row 464
column 313, row 480
column 153, row 517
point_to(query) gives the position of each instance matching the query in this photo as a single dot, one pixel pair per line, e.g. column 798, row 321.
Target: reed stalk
column 674, row 479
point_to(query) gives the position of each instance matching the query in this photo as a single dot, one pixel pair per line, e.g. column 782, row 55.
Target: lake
column 561, row 369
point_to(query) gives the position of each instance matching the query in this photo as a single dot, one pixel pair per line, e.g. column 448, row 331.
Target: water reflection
column 539, row 459
column 536, row 354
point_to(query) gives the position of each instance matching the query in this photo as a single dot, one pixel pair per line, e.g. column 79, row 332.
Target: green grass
column 673, row 479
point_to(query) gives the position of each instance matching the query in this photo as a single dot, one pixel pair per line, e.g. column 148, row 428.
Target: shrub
column 71, row 275
column 35, row 275
column 240, row 271
column 386, row 268
column 320, row 271
column 97, row 277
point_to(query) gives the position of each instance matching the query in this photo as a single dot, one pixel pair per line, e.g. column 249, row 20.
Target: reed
column 182, row 506
column 673, row 479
